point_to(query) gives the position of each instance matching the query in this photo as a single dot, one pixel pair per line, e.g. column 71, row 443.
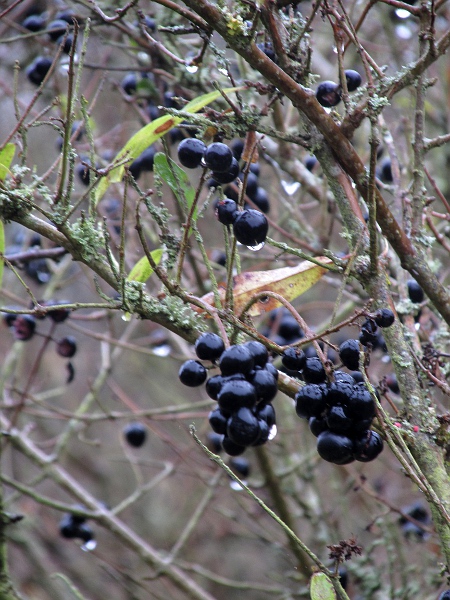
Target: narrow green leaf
column 6, row 156
column 321, row 587
column 175, row 178
column 149, row 134
column 2, row 251
column 142, row 270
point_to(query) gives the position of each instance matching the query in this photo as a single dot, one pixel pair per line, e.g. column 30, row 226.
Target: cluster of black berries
column 329, row 93
column 244, row 390
column 74, row 526
column 339, row 412
column 250, row 226
column 55, row 30
column 23, row 327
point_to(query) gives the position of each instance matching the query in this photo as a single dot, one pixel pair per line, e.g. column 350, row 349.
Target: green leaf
column 175, row 178
column 142, row 270
column 6, row 156
column 2, row 251
column 321, row 587
column 148, row 135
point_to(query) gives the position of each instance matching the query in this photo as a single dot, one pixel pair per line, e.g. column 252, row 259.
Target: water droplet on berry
column 290, row 187
column 257, row 247
column 191, row 68
column 89, row 546
column 273, row 432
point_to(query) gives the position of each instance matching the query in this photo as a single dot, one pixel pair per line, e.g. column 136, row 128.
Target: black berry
column 229, row 175
column 368, row 446
column 218, row 421
column 258, row 352
column 236, row 394
column 313, row 371
column 368, row 334
column 236, row 359
column 129, row 84
column 218, row 157
column 135, row 434
column 192, row 373
column 38, row 69
column 209, row 346
column 34, row 23
column 24, row 327
column 241, row 466
column 384, row 317
column 226, row 211
column 243, row 427
column 261, row 199
column 335, row 448
column 293, row 359
column 328, row 94
column 250, row 227
column 190, row 152
column 265, row 385
column 353, row 79
column 56, row 29
column 231, row 448
column 66, row 347
column 310, row 401
column 415, row 292
column 349, row 354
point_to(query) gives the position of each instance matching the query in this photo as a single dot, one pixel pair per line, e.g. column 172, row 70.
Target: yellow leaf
column 288, row 282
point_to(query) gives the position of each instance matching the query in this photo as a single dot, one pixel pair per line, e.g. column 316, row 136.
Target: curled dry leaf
column 288, row 282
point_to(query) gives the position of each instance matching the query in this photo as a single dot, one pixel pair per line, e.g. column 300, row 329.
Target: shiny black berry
column 268, row 50
column 67, row 528
column 353, row 79
column 218, row 157
column 313, row 370
column 310, row 401
column 335, row 448
column 328, row 94
column 236, row 359
column 66, row 347
column 229, row 175
column 250, row 227
column 258, row 352
column 243, row 427
column 360, row 405
column 293, row 359
column 235, row 394
column 38, row 69
column 415, row 292
column 349, row 354
column 317, row 425
column 269, row 367
column 266, row 412
column 384, row 317
column 385, row 171
column 190, row 152
column 135, row 434
column 289, row 329
column 261, row 199
column 338, row 392
column 56, row 29
column 231, row 448
column 129, row 84
column 218, row 421
column 265, row 385
column 368, row 334
column 226, row 211
column 192, row 373
column 209, row 346
column 214, row 385
column 24, row 327
column 338, row 421
column 368, row 446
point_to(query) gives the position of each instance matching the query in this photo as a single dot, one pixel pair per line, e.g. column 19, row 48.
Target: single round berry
column 136, row 169
column 349, row 354
column 250, row 227
column 67, row 528
column 147, row 158
column 214, row 385
column 38, row 69
column 83, row 172
column 384, row 317
column 264, row 433
column 226, row 211
column 266, row 412
column 229, row 175
column 311, row 162
column 218, row 421
column 8, row 319
column 368, row 334
column 218, row 157
column 190, row 152
column 293, row 359
column 129, row 84
column 135, row 434
column 258, row 352
column 385, row 171
column 339, row 392
column 236, row 359
column 237, row 147
column 209, row 346
column 338, row 421
column 34, row 23
column 368, row 446
column 310, row 401
column 56, row 29
column 261, row 199
column 58, row 315
column 85, row 533
column 328, row 94
column 289, row 329
column 317, row 425
column 392, row 383
column 273, row 370
column 345, row 377
column 415, row 292
column 268, row 50
column 67, row 15
column 24, row 327
column 335, row 448
column 243, row 427
column 67, row 43
column 66, row 347
column 231, row 448
column 353, row 79
column 214, row 441
column 192, row 373
column 235, row 394
column 265, row 385
column 360, row 405
column 313, row 371
column 251, row 186
column 445, row 595
column 241, row 466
